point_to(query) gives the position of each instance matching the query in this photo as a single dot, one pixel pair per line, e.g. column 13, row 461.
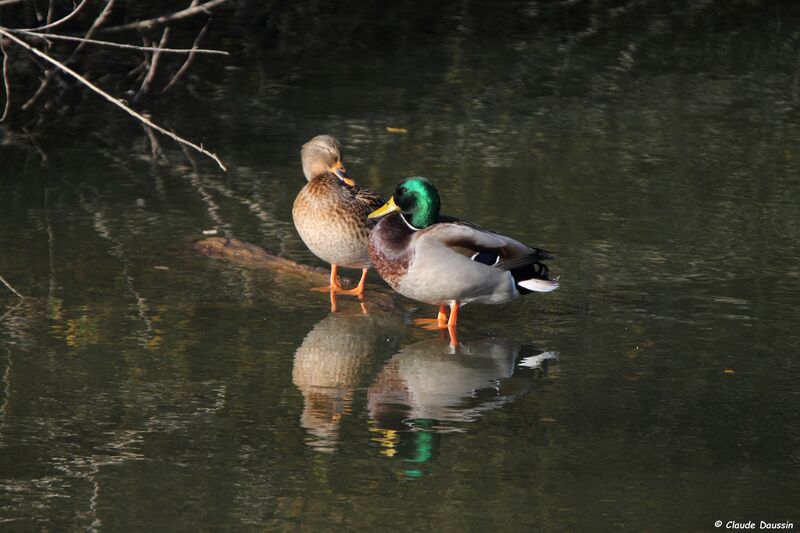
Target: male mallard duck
column 441, row 260
column 330, row 212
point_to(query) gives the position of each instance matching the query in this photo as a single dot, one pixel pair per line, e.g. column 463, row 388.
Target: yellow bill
column 385, row 209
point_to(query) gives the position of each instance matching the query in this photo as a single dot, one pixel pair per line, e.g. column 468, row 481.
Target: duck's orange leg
column 359, row 289
column 334, row 282
column 440, row 322
column 337, row 288
column 451, row 323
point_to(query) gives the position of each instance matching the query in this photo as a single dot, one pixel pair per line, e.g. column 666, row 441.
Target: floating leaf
column 396, row 130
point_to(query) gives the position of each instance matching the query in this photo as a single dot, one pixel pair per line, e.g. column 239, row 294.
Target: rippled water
column 147, row 386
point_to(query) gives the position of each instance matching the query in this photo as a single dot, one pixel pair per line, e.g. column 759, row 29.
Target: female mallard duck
column 441, row 260
column 330, row 212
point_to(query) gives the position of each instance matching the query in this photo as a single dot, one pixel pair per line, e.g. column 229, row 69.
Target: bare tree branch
column 51, row 72
column 36, row 11
column 7, row 284
column 136, row 72
column 99, row 21
column 178, row 15
column 6, row 84
column 151, row 73
column 111, row 44
column 61, row 20
column 49, row 18
column 110, row 98
column 48, row 75
column 189, row 59
column 49, row 12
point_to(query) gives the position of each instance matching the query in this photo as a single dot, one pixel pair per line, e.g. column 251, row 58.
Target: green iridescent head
column 417, row 199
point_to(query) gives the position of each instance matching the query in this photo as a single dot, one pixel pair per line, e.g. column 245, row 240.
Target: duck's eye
column 401, row 191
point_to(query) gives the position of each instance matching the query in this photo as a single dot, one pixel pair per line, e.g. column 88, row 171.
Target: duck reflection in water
column 431, row 387
column 332, row 363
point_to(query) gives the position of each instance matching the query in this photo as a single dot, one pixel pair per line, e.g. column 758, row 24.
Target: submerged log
column 252, row 255
column 246, row 253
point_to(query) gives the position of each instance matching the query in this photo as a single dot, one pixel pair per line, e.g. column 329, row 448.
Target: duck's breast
column 334, row 229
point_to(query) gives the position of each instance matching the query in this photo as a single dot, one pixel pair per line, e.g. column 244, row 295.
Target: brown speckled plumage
column 331, row 218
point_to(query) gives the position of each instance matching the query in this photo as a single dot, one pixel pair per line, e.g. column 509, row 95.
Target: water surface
column 146, row 386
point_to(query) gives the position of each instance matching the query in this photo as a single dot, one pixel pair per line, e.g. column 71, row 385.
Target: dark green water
column 147, row 387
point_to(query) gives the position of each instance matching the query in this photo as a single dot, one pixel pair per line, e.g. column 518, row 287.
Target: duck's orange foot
column 334, row 287
column 339, row 290
column 324, row 288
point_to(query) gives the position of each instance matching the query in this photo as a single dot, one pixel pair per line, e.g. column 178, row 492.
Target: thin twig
column 61, row 20
column 110, row 98
column 135, row 72
column 147, row 45
column 49, row 12
column 7, row 284
column 151, row 73
column 99, row 21
column 122, row 45
column 36, row 11
column 189, row 59
column 178, row 15
column 6, row 83
column 48, row 75
column 10, row 2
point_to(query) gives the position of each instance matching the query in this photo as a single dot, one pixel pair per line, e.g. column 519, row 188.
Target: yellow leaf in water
column 547, row 419
column 729, row 371
column 396, row 130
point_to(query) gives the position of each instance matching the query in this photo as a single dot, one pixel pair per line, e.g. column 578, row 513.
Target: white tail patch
column 539, row 285
column 535, row 361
